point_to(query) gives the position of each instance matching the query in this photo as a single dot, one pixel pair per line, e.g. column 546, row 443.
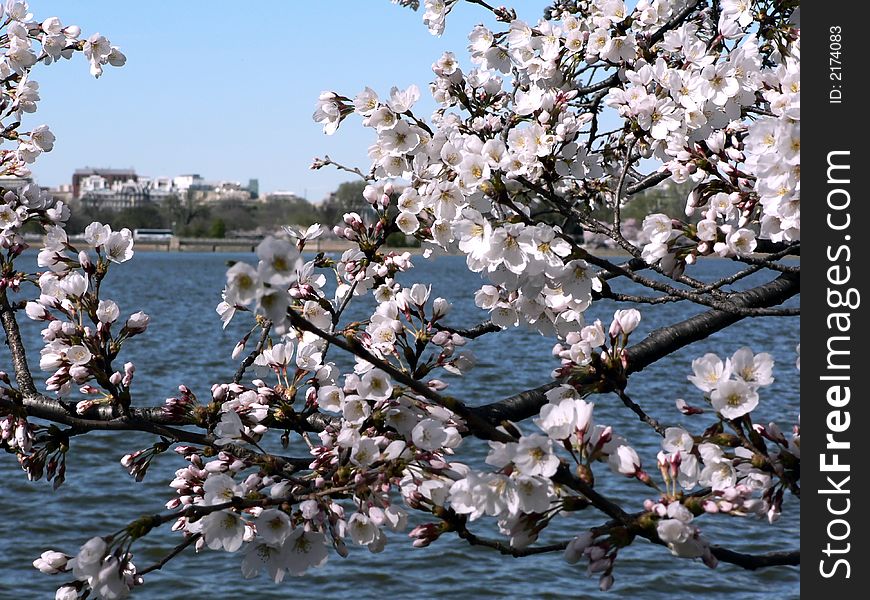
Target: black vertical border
column 833, row 131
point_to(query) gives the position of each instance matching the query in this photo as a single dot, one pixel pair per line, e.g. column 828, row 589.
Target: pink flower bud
column 137, row 323
column 437, row 385
column 85, row 260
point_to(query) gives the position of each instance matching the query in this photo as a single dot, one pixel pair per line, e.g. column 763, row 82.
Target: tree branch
column 250, row 358
column 658, row 344
column 752, row 562
column 480, row 427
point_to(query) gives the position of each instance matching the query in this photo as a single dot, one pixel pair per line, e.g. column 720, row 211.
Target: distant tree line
column 187, row 218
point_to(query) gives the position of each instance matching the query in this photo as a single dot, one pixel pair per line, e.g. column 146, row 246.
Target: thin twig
column 249, row 360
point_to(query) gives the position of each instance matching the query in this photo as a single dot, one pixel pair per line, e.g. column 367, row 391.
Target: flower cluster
column 687, row 94
column 24, row 44
column 79, row 343
column 732, row 386
column 108, row 573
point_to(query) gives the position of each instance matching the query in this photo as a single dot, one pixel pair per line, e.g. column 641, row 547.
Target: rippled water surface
column 185, row 344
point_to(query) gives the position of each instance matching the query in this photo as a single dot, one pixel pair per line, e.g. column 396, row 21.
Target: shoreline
column 249, row 245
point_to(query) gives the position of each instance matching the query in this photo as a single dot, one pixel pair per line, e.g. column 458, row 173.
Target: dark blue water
column 185, row 344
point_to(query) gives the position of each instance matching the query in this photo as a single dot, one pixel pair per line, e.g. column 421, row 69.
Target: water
column 185, row 344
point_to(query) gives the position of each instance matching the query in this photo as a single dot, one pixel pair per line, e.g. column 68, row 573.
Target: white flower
column 365, row 102
column 361, row 529
column 226, row 312
column 741, row 242
column 753, row 369
column 111, row 583
column 375, row 385
column 97, row 49
column 223, row 529
column 43, row 138
column 279, row 260
column 657, row 228
column 709, row 371
column 365, row 452
column 575, row 548
column 733, row 399
column 66, row 592
column 119, row 246
column 395, row 518
column 627, row 319
column 303, row 550
column 429, row 434
column 36, row 311
column 108, row 311
column 504, row 316
column 719, row 475
column 97, row 234
column 330, row 397
column 9, row 218
column 624, row 460
column 272, row 302
column 534, row 456
column 78, row 355
column 440, row 308
column 87, row 562
column 273, row 525
column 279, row 355
column 402, row 100
column 419, row 293
column 219, row 488
column 328, row 112
column 677, row 439
column 74, row 284
column 229, row 429
column 533, row 494
column 355, row 410
column 560, row 420
column 407, row 223
column 486, row 297
column 51, row 562
column 673, row 530
column 242, row 283
column 259, row 555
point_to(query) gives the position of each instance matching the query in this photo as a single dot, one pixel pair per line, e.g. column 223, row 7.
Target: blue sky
column 227, row 89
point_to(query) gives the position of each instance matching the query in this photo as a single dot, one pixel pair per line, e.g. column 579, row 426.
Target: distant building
column 11, row 182
column 254, row 188
column 224, row 191
column 183, row 183
column 111, row 176
column 117, row 189
column 281, row 195
column 97, row 191
column 62, row 193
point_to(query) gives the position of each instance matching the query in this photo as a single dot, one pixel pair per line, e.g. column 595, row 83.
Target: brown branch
column 752, row 562
column 661, row 342
column 718, row 301
column 673, row 23
column 175, row 552
column 250, row 358
column 658, row 344
column 480, row 427
column 16, row 347
column 472, row 332
column 636, row 409
column 647, row 182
